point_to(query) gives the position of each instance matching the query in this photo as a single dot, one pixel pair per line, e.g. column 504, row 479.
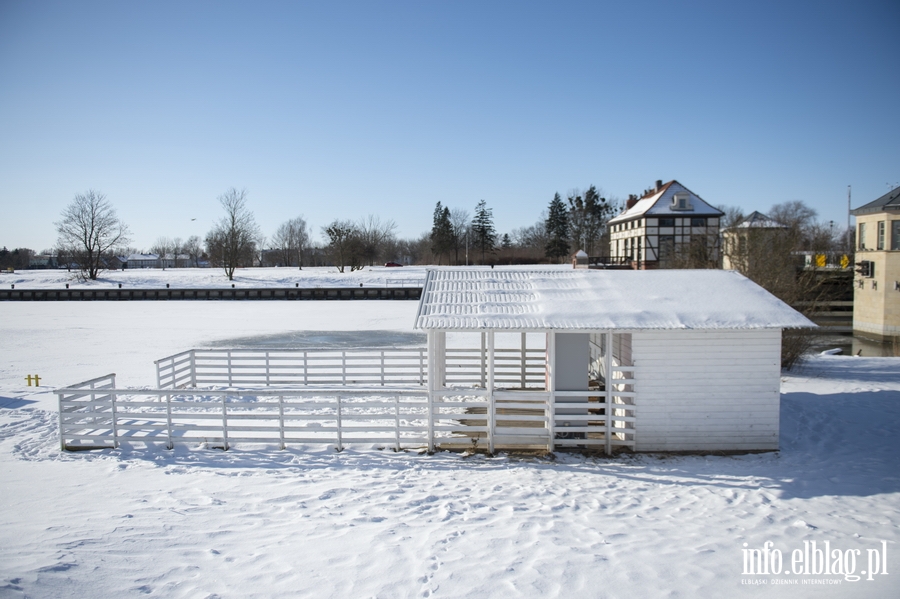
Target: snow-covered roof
column 758, row 220
column 463, row 299
column 135, row 257
column 659, row 203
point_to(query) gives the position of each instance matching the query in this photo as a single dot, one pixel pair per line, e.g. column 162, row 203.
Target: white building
column 142, row 261
column 747, row 241
column 668, row 360
column 668, row 222
column 876, row 299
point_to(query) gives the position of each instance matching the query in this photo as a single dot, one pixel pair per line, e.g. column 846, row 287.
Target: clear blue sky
column 342, row 109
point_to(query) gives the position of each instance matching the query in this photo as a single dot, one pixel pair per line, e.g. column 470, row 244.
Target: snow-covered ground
column 309, row 522
column 189, row 278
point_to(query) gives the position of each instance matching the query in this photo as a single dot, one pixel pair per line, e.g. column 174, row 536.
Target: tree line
column 91, row 237
column 91, row 234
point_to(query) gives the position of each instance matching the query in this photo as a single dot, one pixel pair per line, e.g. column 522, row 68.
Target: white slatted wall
column 708, row 390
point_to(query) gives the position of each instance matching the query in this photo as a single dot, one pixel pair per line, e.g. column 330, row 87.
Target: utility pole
column 849, row 237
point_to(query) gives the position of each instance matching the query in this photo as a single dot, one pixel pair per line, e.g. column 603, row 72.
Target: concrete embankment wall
column 318, row 293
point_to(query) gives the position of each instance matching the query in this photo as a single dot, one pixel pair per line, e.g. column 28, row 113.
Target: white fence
column 95, row 414
column 404, row 282
column 365, row 367
column 282, row 397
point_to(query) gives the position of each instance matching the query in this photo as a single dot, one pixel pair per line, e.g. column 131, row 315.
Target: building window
column 681, row 201
column 862, row 236
column 666, row 247
column 667, row 222
column 880, row 242
column 698, row 222
column 895, row 234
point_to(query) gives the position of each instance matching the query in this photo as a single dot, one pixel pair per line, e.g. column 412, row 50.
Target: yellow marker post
column 33, row 378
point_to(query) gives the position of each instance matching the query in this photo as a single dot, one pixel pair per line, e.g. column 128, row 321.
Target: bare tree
column 374, row 235
column 793, row 214
column 177, row 250
column 88, row 230
column 232, row 242
column 344, row 245
column 162, row 248
column 291, row 239
column 415, row 250
column 732, row 216
column 193, row 249
column 532, row 241
column 259, row 245
column 773, row 258
column 459, row 223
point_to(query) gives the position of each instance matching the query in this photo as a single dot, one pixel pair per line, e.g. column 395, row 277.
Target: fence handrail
column 86, row 385
column 308, row 390
column 362, row 366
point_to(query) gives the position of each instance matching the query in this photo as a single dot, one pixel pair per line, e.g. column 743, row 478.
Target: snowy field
column 309, row 522
column 189, row 278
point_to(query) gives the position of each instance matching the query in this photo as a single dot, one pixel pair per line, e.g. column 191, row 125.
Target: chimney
column 632, row 200
column 658, row 184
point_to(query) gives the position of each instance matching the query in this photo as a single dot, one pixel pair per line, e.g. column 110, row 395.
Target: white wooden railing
column 512, row 367
column 101, row 416
column 404, row 282
column 364, row 367
column 97, row 414
column 282, row 367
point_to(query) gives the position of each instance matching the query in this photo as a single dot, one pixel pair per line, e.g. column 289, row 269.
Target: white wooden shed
column 660, row 360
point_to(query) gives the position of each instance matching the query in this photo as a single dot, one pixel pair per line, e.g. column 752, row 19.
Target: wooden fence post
column 483, row 365
column 340, row 444
column 62, row 439
column 225, row 415
column 115, row 421
column 397, row 418
column 523, row 360
column 421, row 367
column 281, row 419
column 170, row 444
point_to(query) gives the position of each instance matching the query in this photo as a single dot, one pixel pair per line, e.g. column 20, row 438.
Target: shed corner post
column 433, row 383
column 608, row 366
column 490, row 391
column 550, row 383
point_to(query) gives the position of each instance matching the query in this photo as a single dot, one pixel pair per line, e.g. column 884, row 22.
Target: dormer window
column 681, row 201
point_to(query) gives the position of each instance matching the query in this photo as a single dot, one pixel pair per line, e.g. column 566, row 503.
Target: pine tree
column 441, row 232
column 557, row 227
column 483, row 231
